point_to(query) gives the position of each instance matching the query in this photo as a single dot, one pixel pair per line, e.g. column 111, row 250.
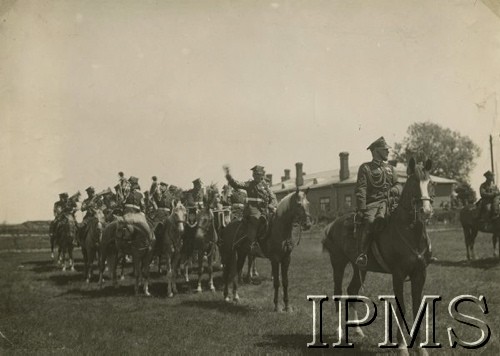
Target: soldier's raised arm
column 233, row 182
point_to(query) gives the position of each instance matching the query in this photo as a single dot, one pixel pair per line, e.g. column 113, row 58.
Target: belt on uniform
column 132, row 206
column 255, row 200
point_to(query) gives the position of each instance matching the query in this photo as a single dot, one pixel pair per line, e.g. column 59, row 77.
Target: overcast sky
column 178, row 88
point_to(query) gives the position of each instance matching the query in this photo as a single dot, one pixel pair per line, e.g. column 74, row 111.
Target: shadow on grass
column 299, row 342
column 46, row 266
column 93, row 291
column 65, row 278
column 218, row 305
column 485, row 263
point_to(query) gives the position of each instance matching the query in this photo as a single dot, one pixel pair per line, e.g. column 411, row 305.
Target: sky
column 179, row 88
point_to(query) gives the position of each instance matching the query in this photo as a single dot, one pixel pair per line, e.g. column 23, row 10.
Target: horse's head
column 205, row 221
column 178, row 215
column 300, row 206
column 416, row 195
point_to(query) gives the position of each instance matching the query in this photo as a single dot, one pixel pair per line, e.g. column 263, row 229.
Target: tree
column 453, row 155
column 465, row 194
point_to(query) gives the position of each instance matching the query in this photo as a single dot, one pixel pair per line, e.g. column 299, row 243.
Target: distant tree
column 465, row 194
column 453, row 155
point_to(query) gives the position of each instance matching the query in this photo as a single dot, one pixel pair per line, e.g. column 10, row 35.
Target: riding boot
column 364, row 244
column 255, row 249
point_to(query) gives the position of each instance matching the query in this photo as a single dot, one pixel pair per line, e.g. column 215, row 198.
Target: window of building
column 324, row 204
column 348, row 201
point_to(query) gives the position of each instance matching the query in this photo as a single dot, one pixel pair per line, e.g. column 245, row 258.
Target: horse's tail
column 326, row 242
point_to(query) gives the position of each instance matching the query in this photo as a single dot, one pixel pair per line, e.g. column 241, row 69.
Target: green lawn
column 45, row 310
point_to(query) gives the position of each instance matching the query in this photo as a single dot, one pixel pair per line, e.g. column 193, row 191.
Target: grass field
column 44, row 310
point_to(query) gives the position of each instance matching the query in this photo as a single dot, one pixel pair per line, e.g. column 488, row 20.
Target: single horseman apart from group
column 490, row 200
column 261, row 203
column 377, row 194
column 62, row 208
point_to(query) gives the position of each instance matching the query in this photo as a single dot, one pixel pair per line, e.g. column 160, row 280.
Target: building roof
column 332, row 177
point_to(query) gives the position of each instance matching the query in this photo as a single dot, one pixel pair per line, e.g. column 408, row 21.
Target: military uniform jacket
column 375, row 180
column 90, row 205
column 488, row 191
column 164, row 200
column 61, row 207
column 135, row 199
column 193, row 198
column 259, row 196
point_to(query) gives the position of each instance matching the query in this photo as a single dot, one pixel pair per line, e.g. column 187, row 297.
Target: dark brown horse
column 469, row 219
column 402, row 245
column 292, row 210
column 64, row 238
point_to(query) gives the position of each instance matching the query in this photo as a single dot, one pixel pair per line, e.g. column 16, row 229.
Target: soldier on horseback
column 62, row 207
column 260, row 203
column 134, row 201
column 376, row 187
column 90, row 206
column 490, row 199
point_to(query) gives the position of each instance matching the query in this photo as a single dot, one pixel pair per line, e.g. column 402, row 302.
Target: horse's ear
column 411, row 166
column 428, row 165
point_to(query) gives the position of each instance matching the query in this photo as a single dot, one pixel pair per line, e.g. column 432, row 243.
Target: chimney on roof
column 344, row 166
column 269, row 178
column 287, row 174
column 299, row 180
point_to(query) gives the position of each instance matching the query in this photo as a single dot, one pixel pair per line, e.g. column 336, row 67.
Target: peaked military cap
column 133, row 180
column 488, row 174
column 90, row 189
column 63, row 195
column 120, row 174
column 258, row 169
column 378, row 143
column 172, row 188
column 197, row 180
column 163, row 184
column 154, row 178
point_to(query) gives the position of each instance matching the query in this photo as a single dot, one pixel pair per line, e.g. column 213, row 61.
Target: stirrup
column 362, row 260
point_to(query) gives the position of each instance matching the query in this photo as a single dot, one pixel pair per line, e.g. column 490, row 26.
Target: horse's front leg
column 210, row 272
column 170, row 280
column 146, row 261
column 137, row 272
column 417, row 287
column 398, row 286
column 494, row 240
column 275, row 266
column 71, row 262
column 285, row 264
column 200, row 271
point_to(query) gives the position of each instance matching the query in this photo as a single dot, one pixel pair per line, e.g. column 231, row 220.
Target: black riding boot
column 364, row 244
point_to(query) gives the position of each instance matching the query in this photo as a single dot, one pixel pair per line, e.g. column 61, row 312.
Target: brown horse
column 292, row 210
column 90, row 243
column 64, row 238
column 469, row 219
column 401, row 243
column 130, row 235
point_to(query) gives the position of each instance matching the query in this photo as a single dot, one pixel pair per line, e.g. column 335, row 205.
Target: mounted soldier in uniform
column 90, row 206
column 134, row 201
column 260, row 203
column 193, row 200
column 377, row 189
column 490, row 199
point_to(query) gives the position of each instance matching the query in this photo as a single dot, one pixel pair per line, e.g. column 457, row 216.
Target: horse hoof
column 170, row 295
column 236, row 298
column 122, row 278
column 147, row 294
column 227, row 299
column 72, row 269
column 276, row 308
column 403, row 351
column 64, row 269
column 199, row 290
column 212, row 289
column 52, row 255
column 287, row 309
column 87, row 281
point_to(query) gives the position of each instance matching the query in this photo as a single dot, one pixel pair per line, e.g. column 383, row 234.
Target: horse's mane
column 284, row 204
